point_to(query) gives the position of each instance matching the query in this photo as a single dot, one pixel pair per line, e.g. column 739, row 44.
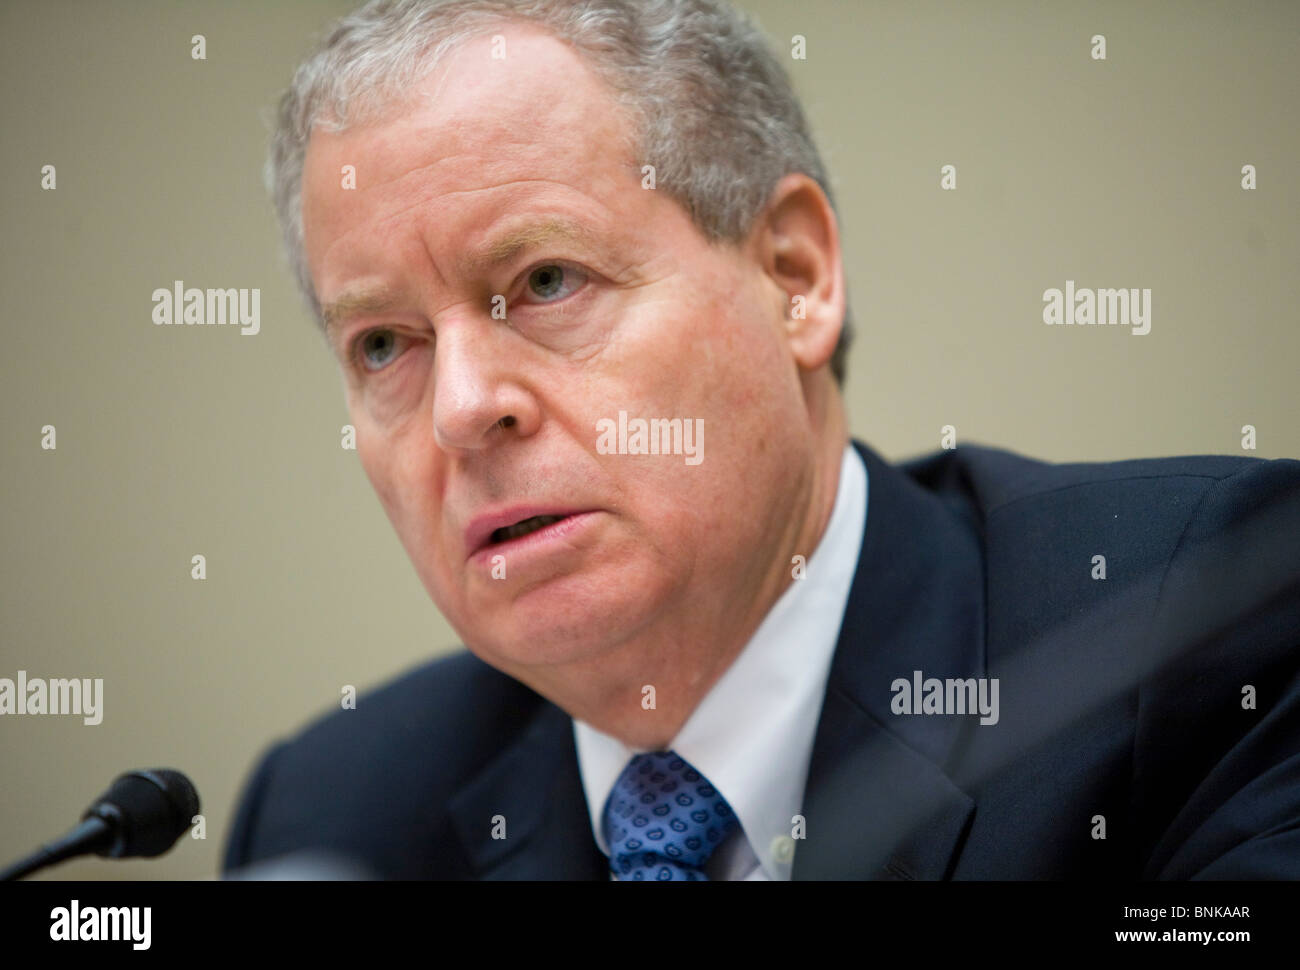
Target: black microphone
column 143, row 813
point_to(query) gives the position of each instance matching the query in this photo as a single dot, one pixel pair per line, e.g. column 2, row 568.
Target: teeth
column 524, row 527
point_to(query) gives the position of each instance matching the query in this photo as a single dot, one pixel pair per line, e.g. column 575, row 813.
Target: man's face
column 466, row 422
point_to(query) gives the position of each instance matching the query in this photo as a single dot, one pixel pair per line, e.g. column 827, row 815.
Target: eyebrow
column 496, row 252
column 527, row 237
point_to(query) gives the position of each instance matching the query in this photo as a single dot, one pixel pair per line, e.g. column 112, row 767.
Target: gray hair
column 713, row 109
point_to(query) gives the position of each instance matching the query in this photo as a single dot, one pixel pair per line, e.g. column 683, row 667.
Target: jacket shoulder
column 996, row 477
column 1148, row 612
column 1196, row 535
column 354, row 778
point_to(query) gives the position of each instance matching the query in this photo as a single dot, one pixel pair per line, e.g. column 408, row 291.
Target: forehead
column 477, row 131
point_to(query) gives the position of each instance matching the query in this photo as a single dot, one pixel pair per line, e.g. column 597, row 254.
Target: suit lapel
column 535, row 785
column 878, row 802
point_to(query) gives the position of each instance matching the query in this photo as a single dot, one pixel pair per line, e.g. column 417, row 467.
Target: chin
column 550, row 625
column 541, row 648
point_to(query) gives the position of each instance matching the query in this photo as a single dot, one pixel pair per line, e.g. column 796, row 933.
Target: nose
column 478, row 400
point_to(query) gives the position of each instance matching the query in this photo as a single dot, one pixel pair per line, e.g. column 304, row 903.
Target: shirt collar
column 752, row 734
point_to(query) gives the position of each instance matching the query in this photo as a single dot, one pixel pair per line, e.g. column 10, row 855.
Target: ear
column 796, row 242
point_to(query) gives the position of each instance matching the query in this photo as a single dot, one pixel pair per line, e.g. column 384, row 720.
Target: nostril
column 507, row 422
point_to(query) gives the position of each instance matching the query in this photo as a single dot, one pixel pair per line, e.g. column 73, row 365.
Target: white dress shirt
column 752, row 734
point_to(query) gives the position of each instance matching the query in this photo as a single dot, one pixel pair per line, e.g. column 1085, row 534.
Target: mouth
column 511, row 525
column 522, row 528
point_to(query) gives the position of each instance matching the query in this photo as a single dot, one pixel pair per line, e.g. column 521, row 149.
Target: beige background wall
column 174, row 441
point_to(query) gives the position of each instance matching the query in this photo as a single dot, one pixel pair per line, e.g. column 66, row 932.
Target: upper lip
column 479, row 531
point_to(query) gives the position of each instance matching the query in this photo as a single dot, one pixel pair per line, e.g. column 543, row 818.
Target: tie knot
column 664, row 819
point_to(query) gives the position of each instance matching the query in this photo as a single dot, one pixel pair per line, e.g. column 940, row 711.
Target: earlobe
column 813, row 341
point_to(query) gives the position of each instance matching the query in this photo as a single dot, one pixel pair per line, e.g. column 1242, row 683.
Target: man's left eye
column 553, row 281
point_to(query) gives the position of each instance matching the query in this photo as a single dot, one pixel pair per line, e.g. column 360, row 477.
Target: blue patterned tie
column 663, row 820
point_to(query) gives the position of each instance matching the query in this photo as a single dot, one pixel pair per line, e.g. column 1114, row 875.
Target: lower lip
column 536, row 541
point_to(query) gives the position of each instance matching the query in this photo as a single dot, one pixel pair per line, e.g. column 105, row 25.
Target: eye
column 376, row 349
column 552, row 282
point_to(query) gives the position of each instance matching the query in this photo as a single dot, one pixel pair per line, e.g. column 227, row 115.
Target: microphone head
column 147, row 811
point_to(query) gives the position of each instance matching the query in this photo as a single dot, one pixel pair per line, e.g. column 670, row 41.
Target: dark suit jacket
column 1124, row 698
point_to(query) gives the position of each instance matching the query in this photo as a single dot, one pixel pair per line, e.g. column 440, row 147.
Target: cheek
column 739, row 349
column 403, row 476
column 381, row 459
column 374, row 456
